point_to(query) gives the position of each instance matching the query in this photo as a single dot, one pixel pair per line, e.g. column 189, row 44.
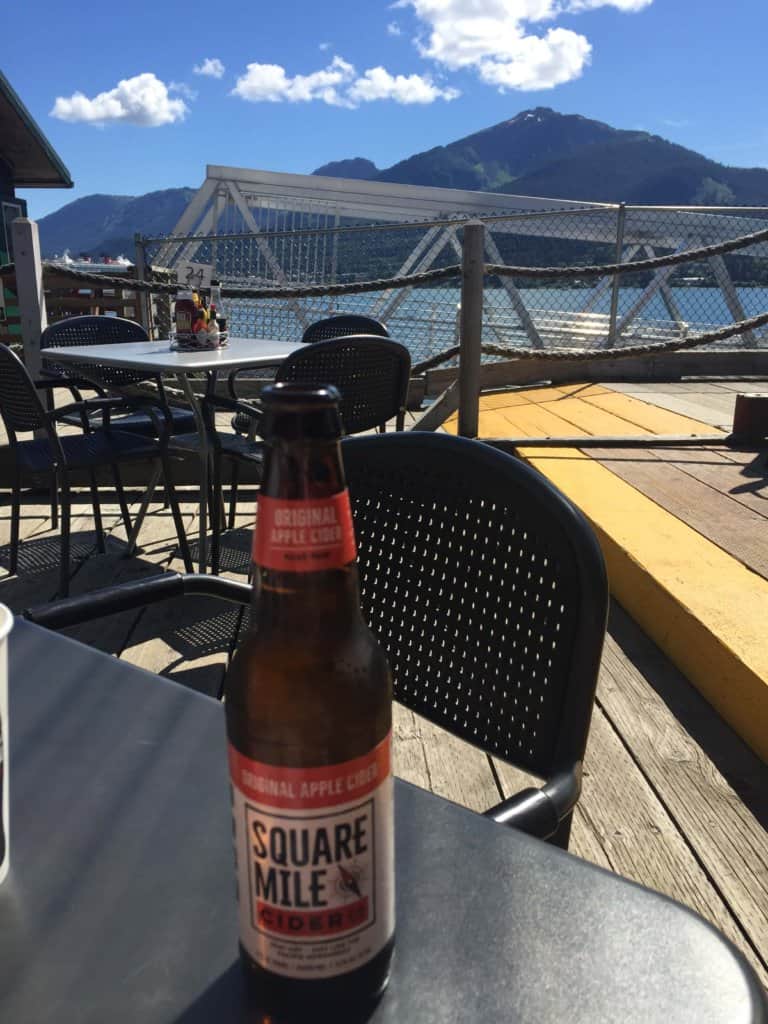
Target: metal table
column 120, row 902
column 159, row 357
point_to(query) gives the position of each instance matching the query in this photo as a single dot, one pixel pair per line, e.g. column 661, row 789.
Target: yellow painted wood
column 505, row 400
column 594, row 420
column 700, row 605
column 651, row 417
column 582, row 390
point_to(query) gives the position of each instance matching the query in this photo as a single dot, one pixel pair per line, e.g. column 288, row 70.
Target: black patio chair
column 23, row 412
column 342, row 325
column 108, row 330
column 371, row 374
column 487, row 589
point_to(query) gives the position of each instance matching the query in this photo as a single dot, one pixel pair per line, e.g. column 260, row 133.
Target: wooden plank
column 644, row 414
column 684, row 405
column 755, row 387
column 711, row 784
column 734, row 528
column 705, row 608
column 594, row 419
column 743, row 482
column 457, row 770
column 636, row 834
column 661, row 366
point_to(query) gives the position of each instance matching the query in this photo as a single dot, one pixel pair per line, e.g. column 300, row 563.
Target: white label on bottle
column 314, row 852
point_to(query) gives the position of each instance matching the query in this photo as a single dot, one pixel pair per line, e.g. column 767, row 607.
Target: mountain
column 537, row 153
column 106, row 224
column 494, row 157
column 565, row 156
column 356, row 168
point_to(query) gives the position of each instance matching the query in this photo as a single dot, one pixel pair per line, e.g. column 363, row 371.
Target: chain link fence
column 295, row 249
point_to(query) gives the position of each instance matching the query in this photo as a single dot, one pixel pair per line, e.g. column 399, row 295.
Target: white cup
column 6, row 624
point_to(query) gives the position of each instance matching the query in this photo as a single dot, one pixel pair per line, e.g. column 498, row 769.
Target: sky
column 142, row 97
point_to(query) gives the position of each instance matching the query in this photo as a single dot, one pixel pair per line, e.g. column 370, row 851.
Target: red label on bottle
column 314, row 853
column 305, row 535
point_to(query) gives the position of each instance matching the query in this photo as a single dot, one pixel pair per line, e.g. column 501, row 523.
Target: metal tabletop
column 160, row 357
column 120, row 903
column 239, row 353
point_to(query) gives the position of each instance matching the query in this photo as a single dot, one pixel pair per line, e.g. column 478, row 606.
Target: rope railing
column 424, row 277
column 444, row 273
column 583, row 355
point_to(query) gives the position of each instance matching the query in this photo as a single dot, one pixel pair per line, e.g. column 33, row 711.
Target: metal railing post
column 144, row 298
column 472, row 275
column 620, row 219
column 30, row 290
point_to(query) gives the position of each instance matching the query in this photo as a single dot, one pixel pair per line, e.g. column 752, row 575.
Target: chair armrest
column 137, row 594
column 88, row 405
column 539, row 811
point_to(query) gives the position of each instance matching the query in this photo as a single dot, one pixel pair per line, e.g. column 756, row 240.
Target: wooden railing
column 63, row 300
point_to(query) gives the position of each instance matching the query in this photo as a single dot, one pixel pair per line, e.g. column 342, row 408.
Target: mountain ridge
column 538, row 152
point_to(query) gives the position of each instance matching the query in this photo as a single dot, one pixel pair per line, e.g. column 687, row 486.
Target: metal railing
column 595, row 313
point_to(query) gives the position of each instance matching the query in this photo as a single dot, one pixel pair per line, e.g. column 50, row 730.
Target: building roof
column 32, row 160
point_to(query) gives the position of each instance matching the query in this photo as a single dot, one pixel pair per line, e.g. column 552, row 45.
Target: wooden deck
column 672, row 797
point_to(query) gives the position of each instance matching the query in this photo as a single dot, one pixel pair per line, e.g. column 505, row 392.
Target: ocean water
column 426, row 319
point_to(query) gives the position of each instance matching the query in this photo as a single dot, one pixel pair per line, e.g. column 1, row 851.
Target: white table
column 159, row 357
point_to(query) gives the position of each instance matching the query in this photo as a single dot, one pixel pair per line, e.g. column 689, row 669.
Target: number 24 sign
column 193, row 276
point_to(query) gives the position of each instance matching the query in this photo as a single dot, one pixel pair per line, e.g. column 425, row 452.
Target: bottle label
column 314, row 854
column 305, row 535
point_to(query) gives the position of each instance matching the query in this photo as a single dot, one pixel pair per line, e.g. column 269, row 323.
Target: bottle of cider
column 308, row 709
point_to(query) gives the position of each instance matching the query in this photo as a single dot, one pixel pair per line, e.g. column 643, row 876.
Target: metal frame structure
column 285, row 214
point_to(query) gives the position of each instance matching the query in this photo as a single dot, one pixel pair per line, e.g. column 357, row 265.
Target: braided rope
column 427, row 276
column 584, row 355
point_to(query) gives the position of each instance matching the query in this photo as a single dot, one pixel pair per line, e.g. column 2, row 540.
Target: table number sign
column 193, row 276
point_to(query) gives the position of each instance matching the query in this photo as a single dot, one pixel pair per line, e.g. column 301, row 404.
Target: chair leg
column 176, row 511
column 100, row 543
column 54, row 502
column 234, row 480
column 216, row 515
column 121, row 498
column 65, row 524
column 15, row 520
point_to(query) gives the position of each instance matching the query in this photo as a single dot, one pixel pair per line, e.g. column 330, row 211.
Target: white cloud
column 378, row 84
column 394, row 29
column 324, row 46
column 628, row 6
column 270, row 83
column 183, row 90
column 494, row 38
column 338, row 85
column 211, row 67
column 141, row 100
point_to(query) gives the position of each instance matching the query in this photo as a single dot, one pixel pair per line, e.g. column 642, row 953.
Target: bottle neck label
column 314, row 849
column 305, row 535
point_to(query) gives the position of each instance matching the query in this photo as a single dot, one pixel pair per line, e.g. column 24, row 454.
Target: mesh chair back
column 487, row 589
column 371, row 373
column 342, row 325
column 20, row 404
column 94, row 330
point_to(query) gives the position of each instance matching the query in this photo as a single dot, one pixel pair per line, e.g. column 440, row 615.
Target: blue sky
column 142, row 97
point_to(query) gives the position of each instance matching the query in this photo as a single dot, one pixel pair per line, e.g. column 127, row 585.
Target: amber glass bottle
column 308, row 708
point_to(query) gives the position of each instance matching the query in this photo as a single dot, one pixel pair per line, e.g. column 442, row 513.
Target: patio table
column 120, row 904
column 159, row 357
